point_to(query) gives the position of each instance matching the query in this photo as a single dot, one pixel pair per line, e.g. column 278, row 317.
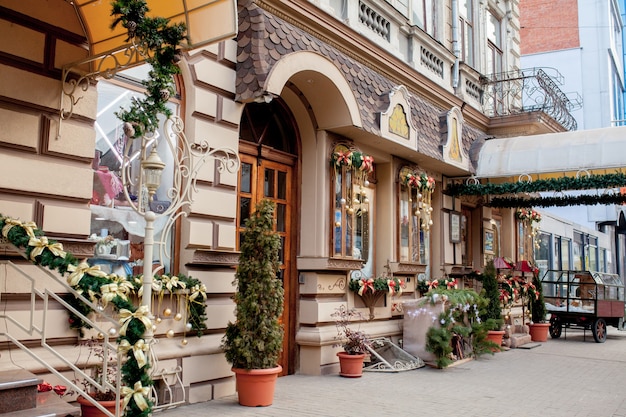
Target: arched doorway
column 268, row 148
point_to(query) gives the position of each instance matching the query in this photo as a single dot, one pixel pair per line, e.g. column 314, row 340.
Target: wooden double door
column 259, row 179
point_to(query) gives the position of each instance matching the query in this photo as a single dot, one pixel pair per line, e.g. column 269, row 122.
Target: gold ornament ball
column 154, row 327
column 170, row 333
column 350, row 210
column 158, row 320
column 167, row 312
column 100, row 336
column 184, row 342
column 337, row 224
column 178, row 317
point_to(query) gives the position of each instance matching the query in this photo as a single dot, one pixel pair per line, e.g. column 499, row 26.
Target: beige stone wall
column 45, row 172
column 208, row 235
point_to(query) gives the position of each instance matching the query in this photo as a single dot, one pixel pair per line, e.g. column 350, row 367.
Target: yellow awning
column 596, row 151
column 208, row 21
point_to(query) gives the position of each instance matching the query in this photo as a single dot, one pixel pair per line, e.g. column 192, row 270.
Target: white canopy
column 597, row 151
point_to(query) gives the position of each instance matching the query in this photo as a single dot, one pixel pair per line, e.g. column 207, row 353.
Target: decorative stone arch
column 333, row 102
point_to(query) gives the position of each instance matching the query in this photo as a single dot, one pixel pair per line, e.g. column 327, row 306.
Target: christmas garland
column 158, row 41
column 106, row 289
column 357, row 160
column 557, row 201
column 584, row 182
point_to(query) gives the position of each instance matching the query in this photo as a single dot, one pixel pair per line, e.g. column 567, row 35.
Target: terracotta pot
column 255, row 387
column 87, row 409
column 351, row 366
column 495, row 336
column 539, row 331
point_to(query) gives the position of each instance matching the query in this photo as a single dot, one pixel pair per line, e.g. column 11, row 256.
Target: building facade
column 337, row 110
column 582, row 42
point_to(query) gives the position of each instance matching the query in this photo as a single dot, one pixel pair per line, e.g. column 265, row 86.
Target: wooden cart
column 583, row 299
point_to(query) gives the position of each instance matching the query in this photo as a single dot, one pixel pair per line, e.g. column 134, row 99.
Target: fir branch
column 584, row 182
column 159, row 41
column 558, row 201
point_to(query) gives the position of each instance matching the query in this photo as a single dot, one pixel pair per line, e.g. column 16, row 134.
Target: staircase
column 19, row 398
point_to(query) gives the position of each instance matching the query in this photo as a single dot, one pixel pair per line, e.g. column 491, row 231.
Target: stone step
column 49, row 404
column 18, row 390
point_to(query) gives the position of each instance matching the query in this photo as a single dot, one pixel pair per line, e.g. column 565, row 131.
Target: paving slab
column 573, row 377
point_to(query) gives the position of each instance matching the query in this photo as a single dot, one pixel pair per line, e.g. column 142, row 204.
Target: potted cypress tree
column 253, row 343
column 538, row 327
column 492, row 313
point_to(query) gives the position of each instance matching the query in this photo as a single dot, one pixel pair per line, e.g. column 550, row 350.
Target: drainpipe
column 455, row 44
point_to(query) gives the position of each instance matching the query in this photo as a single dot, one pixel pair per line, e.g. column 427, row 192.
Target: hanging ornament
column 112, row 331
column 184, row 342
column 188, row 326
column 167, row 312
column 343, row 201
column 178, row 317
column 158, row 320
column 154, row 327
column 100, row 335
column 170, row 333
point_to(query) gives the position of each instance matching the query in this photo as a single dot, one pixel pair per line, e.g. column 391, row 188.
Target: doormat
column 529, row 346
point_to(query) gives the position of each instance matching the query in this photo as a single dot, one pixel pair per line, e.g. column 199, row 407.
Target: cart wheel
column 555, row 328
column 599, row 330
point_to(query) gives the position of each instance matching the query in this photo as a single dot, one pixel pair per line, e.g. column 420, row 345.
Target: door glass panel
column 281, row 253
column 268, row 187
column 246, row 178
column 282, row 185
column 244, row 210
column 281, row 209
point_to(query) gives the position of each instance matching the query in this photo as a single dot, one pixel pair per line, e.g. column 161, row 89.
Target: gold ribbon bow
column 198, row 290
column 77, row 272
column 126, row 316
column 124, row 285
column 139, row 349
column 110, row 291
column 42, row 243
column 157, row 286
column 138, row 393
column 10, row 223
column 171, row 283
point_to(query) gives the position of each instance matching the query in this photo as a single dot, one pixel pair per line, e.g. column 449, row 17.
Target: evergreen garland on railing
column 158, row 40
column 583, row 182
column 98, row 286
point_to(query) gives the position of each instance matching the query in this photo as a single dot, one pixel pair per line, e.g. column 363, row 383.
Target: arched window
column 415, row 211
column 351, row 211
column 116, row 227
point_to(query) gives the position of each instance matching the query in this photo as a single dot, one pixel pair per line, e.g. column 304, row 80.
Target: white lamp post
column 187, row 159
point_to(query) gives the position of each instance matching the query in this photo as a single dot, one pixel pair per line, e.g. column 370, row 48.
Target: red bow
column 365, row 284
column 368, row 163
column 343, row 158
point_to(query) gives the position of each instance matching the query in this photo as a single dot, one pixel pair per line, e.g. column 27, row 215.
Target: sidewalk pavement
column 566, row 377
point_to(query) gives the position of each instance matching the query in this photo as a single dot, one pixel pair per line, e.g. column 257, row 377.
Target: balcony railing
column 527, row 90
